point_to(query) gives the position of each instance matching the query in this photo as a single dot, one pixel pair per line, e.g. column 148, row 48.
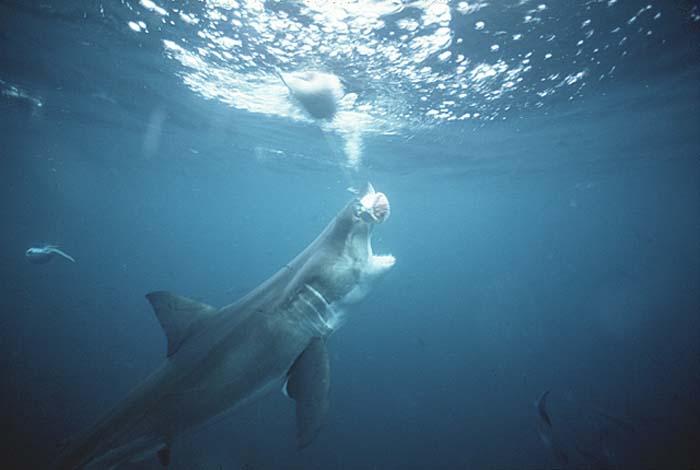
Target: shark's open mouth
column 376, row 210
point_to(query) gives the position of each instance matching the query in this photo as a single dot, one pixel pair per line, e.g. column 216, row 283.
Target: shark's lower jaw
column 371, row 269
column 378, row 264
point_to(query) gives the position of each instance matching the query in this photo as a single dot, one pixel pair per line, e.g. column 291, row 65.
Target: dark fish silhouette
column 541, row 405
column 547, row 433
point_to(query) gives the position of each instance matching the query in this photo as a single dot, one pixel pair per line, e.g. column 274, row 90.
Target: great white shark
column 219, row 359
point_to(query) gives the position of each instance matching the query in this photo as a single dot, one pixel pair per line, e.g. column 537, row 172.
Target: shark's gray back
column 262, row 326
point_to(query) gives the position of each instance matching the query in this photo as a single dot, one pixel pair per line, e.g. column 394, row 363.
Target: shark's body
column 219, row 359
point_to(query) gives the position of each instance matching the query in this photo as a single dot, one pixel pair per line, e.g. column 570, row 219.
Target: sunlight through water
column 404, row 65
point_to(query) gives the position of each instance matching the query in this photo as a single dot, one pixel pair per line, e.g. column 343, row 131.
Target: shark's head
column 373, row 207
column 353, row 227
column 349, row 264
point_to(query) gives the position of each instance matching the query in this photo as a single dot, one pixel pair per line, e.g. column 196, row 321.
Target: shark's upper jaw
column 373, row 207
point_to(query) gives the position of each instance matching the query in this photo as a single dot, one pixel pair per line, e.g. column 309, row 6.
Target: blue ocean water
column 543, row 166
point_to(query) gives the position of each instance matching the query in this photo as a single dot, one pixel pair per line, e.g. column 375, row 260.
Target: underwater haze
column 542, row 159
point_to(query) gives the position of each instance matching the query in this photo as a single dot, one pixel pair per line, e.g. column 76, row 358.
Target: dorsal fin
column 179, row 316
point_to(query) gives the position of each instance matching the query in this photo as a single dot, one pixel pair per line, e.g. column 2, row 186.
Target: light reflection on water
column 420, row 61
column 409, row 64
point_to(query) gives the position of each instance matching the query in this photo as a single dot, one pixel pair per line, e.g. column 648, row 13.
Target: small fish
column 44, row 254
column 541, row 406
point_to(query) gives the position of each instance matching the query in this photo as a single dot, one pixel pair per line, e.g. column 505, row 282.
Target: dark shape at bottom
column 164, row 456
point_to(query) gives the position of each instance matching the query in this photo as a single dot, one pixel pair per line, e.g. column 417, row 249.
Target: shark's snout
column 375, row 207
column 381, row 208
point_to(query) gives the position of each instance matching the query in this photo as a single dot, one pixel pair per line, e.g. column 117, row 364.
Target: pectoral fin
column 308, row 385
